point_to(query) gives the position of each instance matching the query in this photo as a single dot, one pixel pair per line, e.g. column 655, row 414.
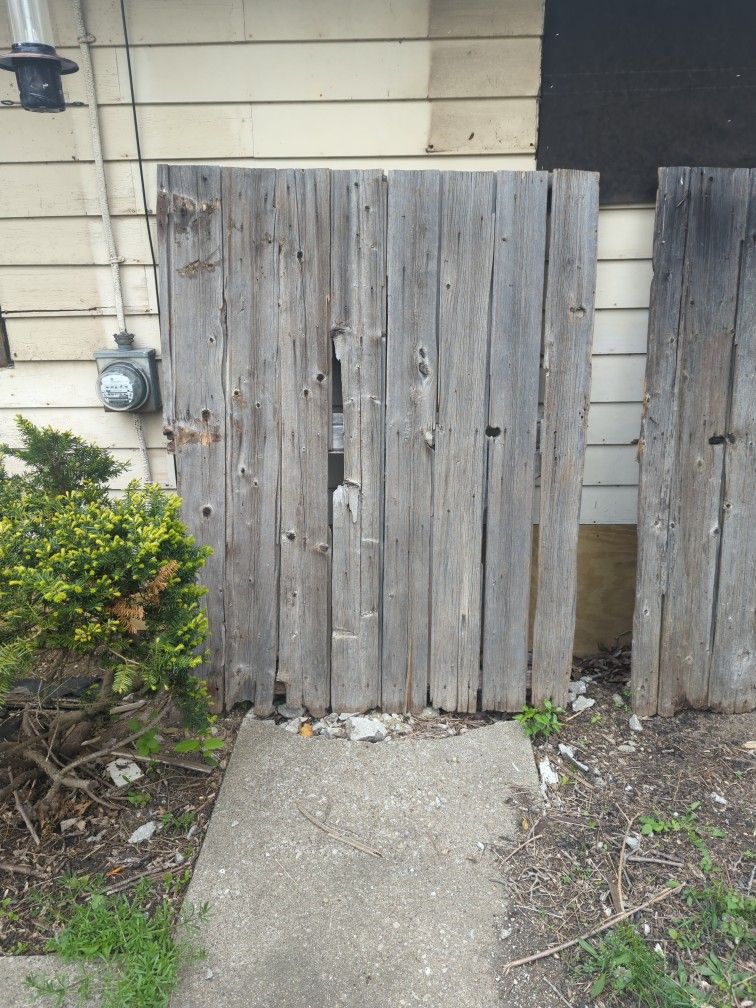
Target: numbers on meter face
column 123, row 387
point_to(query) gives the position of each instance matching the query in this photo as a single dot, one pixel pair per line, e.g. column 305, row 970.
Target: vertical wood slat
column 411, row 363
column 253, row 447
column 568, row 332
column 193, row 337
column 732, row 681
column 716, row 228
column 302, row 246
column 656, row 447
column 466, row 256
column 358, row 324
column 516, row 325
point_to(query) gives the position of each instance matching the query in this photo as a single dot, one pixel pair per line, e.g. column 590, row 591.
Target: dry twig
column 340, row 837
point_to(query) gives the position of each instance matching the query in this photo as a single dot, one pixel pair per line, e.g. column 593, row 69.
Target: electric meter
column 127, row 381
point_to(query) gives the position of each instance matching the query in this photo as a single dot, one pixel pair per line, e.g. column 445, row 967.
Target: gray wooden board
column 732, row 682
column 466, row 256
column 568, row 333
column 302, row 246
column 657, row 436
column 358, row 324
column 253, row 445
column 516, row 325
column 412, row 271
column 193, row 335
column 716, row 227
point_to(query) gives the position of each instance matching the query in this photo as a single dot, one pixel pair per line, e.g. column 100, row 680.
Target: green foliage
column 85, row 574
column 58, row 461
column 687, row 823
column 130, row 938
column 540, row 721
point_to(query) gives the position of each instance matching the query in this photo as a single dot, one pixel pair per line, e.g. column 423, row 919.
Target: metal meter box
column 127, row 381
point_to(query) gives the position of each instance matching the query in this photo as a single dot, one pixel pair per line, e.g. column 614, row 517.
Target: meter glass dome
column 123, row 387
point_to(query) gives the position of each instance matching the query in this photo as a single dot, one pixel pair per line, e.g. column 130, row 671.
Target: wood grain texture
column 568, row 333
column 514, row 362
column 658, row 432
column 732, row 680
column 193, row 335
column 411, row 364
column 303, row 241
column 466, row 257
column 358, row 326
column 716, row 228
column 253, row 445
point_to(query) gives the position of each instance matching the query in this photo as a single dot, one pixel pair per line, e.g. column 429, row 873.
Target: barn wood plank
column 732, row 682
column 716, row 228
column 302, row 240
column 658, row 433
column 193, row 336
column 570, row 296
column 516, row 325
column 466, row 257
column 358, row 324
column 411, row 361
column 253, row 447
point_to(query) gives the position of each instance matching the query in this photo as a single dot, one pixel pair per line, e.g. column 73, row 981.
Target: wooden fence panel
column 303, row 240
column 253, row 448
column 411, row 363
column 466, row 254
column 358, row 326
column 193, row 337
column 657, row 437
column 568, row 334
column 516, row 325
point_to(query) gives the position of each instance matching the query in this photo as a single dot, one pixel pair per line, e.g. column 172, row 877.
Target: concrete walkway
column 300, row 918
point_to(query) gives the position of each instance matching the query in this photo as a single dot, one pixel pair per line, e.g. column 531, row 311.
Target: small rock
column 209, row 974
column 143, row 832
column 179, row 857
column 365, row 729
column 578, row 687
column 627, row 747
column 429, row 714
column 635, row 724
column 293, row 726
column 569, row 753
column 123, row 771
column 718, row 798
column 633, row 841
column 290, row 712
column 582, row 703
column 617, row 700
column 549, row 776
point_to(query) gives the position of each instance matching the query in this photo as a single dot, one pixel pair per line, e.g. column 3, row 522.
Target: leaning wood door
column 422, row 307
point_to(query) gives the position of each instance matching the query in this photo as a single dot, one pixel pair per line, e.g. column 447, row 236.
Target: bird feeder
column 33, row 58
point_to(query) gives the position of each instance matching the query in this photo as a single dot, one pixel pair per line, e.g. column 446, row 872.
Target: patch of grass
column 688, row 823
column 540, row 722
column 137, row 950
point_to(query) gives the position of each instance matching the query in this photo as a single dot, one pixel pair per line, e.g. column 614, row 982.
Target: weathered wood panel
column 658, row 432
column 568, row 332
column 466, row 256
column 358, row 326
column 194, row 344
column 732, row 680
column 412, row 268
column 303, row 242
column 716, row 228
column 253, row 446
column 514, row 362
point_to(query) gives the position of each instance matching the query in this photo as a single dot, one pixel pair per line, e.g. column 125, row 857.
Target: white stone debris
column 549, row 776
column 635, row 724
column 718, row 799
column 627, row 747
column 365, row 729
column 429, row 714
column 569, row 753
column 582, row 703
column 143, row 832
column 576, row 688
column 633, row 841
column 123, row 771
column 293, row 726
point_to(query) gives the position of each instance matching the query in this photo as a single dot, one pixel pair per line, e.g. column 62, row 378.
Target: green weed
column 540, row 721
column 687, row 823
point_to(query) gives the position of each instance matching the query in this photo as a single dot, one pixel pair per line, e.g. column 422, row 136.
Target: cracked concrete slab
column 302, row 918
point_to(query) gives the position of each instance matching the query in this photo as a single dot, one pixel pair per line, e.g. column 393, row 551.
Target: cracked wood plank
column 412, row 268
column 568, row 333
column 516, row 325
column 253, row 448
column 466, row 257
column 193, row 338
column 358, row 291
column 302, row 246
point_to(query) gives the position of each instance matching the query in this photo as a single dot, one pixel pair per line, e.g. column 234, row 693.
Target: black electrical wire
column 139, row 150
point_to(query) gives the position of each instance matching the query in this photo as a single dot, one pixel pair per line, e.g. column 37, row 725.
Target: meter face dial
column 123, row 387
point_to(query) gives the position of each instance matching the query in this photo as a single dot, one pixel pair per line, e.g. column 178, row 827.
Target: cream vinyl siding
column 276, row 83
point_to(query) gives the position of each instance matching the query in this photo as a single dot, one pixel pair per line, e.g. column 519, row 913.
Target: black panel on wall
column 629, row 85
